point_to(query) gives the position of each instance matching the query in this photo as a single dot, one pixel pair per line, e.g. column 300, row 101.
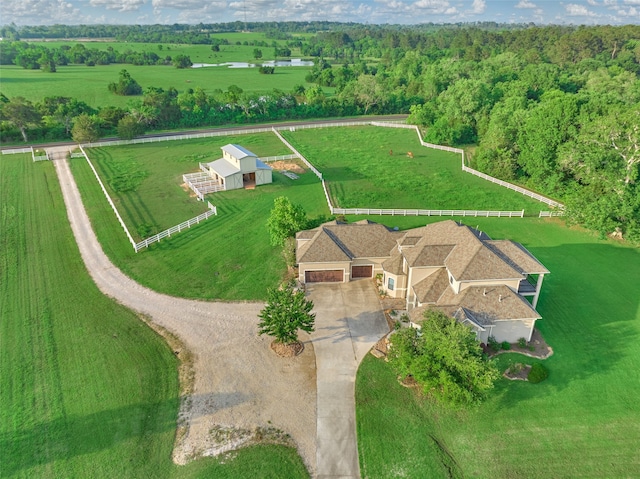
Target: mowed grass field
column 361, row 172
column 153, row 173
column 226, row 257
column 90, row 84
column 86, row 390
column 583, row 421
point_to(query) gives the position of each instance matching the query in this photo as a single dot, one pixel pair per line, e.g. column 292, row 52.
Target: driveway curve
column 239, row 385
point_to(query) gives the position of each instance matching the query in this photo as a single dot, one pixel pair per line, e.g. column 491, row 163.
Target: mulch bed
column 539, row 348
column 287, row 350
column 518, row 374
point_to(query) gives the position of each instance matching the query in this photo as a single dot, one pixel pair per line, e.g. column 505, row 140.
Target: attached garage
column 362, row 271
column 324, row 276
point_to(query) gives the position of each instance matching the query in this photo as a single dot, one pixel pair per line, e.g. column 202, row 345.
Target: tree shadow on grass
column 590, row 308
column 67, row 437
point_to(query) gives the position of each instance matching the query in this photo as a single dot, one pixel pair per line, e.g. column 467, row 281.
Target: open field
column 357, row 164
column 89, row 84
column 227, row 257
column 153, row 173
column 581, row 422
column 86, row 390
column 197, row 53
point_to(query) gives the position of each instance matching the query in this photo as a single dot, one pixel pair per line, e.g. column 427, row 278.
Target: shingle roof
column 237, row 151
column 343, row 242
column 321, row 249
column 485, row 304
column 223, row 167
column 394, row 264
column 431, row 288
column 517, row 256
column 428, row 255
column 470, row 259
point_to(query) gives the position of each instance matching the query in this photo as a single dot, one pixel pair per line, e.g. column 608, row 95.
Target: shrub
column 515, row 368
column 522, row 342
column 493, row 344
column 404, row 318
column 505, row 345
column 538, row 373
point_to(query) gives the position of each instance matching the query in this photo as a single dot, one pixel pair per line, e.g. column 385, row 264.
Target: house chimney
column 484, row 293
column 500, row 299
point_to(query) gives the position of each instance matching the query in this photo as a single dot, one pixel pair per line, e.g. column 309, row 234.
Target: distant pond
column 294, row 62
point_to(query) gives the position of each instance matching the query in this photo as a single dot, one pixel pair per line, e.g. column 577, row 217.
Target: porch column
column 538, row 287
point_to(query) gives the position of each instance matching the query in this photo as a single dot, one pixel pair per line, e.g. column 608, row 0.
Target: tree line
column 554, row 108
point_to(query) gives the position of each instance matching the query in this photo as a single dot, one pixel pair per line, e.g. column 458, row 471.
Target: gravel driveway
column 240, row 385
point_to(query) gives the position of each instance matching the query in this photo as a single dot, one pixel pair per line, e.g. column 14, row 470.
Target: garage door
column 325, row 276
column 361, row 271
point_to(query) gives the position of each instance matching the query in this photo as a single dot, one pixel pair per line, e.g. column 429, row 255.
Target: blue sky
column 45, row 12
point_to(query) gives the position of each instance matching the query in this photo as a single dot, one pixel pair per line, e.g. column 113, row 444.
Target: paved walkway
column 349, row 321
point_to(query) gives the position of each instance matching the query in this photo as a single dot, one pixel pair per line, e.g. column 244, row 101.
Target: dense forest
column 555, row 108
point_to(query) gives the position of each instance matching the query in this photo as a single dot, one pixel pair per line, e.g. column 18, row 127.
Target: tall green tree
column 126, row 85
column 85, row 129
column 21, row 113
column 285, row 220
column 287, row 311
column 444, row 358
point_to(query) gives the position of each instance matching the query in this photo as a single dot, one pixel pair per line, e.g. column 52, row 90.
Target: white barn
column 239, row 168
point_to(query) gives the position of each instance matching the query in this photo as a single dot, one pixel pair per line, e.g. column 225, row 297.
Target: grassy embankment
column 356, row 162
column 86, row 390
column 226, row 257
column 581, row 422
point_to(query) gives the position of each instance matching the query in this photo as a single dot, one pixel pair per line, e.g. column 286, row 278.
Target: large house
column 239, row 168
column 481, row 282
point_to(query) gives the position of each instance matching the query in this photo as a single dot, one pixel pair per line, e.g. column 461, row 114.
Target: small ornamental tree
column 445, row 359
column 285, row 221
column 286, row 312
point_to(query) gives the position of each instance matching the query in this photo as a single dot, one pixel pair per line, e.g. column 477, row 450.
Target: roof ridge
column 338, row 243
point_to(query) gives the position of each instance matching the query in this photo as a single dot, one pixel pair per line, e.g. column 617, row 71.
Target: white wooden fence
column 176, row 229
column 14, row 151
column 268, row 159
column 399, row 212
column 298, row 154
column 113, row 206
column 549, row 214
column 39, row 157
column 513, row 187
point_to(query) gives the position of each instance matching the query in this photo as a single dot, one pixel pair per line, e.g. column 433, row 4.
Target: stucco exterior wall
column 400, row 286
column 513, row 330
column 418, row 274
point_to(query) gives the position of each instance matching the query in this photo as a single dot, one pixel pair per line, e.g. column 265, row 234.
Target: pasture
column 87, row 389
column 227, row 257
column 581, row 422
column 145, row 180
column 90, row 84
column 361, row 173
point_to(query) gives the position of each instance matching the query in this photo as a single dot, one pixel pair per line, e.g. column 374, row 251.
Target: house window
column 390, row 284
column 450, row 279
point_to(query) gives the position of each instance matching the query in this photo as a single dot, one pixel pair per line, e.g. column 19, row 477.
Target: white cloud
column 525, row 4
column 478, row 7
column 119, row 5
column 632, row 2
column 42, row 12
column 574, row 10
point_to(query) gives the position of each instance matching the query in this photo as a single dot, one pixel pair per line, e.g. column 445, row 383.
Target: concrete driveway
column 349, row 321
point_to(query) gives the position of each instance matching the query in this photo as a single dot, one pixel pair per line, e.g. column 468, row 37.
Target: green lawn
column 583, row 421
column 228, row 256
column 89, row 84
column 155, row 170
column 86, row 390
column 361, row 172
